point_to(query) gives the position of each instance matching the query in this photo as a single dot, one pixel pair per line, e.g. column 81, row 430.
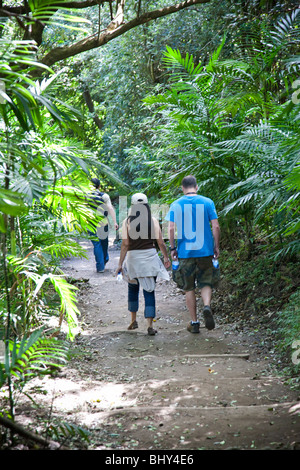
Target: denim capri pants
column 133, row 300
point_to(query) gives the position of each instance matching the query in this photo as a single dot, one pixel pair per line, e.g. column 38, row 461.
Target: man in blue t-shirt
column 193, row 221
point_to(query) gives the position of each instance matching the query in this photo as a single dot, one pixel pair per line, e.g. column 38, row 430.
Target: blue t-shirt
column 192, row 216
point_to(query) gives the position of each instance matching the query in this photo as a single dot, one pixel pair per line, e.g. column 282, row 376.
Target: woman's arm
column 161, row 243
column 124, row 246
column 171, row 231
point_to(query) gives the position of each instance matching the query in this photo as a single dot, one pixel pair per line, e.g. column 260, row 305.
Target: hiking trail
column 172, row 391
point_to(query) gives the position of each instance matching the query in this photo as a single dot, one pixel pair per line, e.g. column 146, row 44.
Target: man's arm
column 216, row 234
column 110, row 209
column 112, row 213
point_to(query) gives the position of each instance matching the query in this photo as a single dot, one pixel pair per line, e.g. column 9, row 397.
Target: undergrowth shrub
column 288, row 336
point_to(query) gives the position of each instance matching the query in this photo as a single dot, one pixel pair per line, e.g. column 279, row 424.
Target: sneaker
column 193, row 327
column 151, row 331
column 208, row 318
column 100, row 271
column 133, row 325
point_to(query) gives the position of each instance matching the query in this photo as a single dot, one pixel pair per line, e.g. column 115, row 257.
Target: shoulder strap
column 96, row 198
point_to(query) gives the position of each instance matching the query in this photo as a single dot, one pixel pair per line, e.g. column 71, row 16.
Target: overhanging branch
column 95, row 41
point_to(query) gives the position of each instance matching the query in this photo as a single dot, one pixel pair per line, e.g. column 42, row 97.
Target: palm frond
column 181, row 66
column 67, row 295
column 33, row 355
column 53, row 12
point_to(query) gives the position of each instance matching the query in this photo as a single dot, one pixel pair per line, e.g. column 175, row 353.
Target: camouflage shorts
column 195, row 272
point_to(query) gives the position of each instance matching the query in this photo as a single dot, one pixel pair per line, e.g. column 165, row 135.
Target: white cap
column 139, row 198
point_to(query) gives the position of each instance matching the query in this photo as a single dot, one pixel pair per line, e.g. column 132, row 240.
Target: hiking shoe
column 133, row 325
column 208, row 318
column 151, row 331
column 193, row 327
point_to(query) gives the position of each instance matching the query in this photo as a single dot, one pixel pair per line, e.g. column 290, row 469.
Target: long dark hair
column 139, row 222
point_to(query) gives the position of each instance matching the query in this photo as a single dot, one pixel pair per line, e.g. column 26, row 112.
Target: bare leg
column 206, row 295
column 151, row 330
column 190, row 298
column 133, row 316
column 207, row 313
column 133, row 325
column 191, row 303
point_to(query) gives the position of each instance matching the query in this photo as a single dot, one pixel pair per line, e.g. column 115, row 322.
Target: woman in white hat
column 142, row 265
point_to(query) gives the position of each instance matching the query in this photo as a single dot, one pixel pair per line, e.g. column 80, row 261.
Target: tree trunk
column 90, row 105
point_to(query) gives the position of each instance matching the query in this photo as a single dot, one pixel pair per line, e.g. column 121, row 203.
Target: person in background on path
column 100, row 202
column 139, row 262
column 195, row 219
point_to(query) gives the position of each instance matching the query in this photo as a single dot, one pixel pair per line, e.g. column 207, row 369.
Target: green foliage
column 55, row 13
column 66, row 294
column 33, row 355
column 31, row 301
column 221, row 102
column 39, row 165
column 45, row 179
column 288, row 335
column 64, row 431
column 234, row 126
column 11, row 203
column 262, row 296
column 30, row 164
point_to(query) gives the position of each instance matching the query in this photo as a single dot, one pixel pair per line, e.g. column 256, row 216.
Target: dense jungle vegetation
column 139, row 94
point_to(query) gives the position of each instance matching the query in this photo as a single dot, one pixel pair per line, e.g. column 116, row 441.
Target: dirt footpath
column 171, row 391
